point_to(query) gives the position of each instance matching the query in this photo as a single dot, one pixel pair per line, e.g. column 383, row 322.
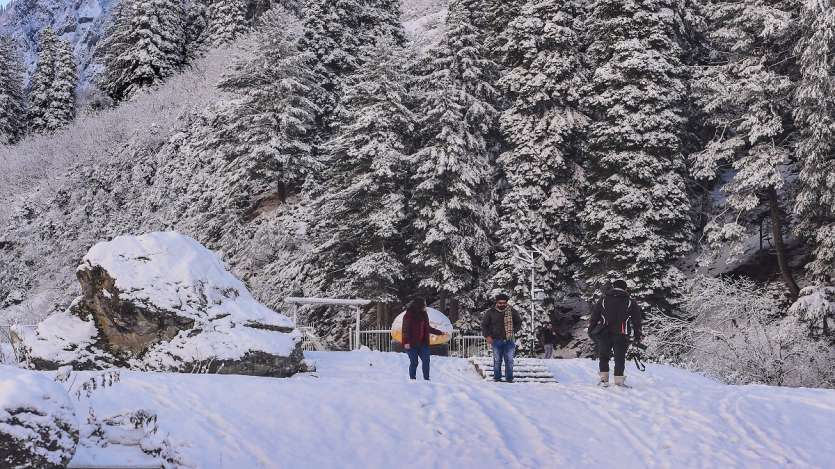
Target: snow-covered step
column 524, row 371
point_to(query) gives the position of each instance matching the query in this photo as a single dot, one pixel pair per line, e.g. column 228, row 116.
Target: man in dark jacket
column 499, row 327
column 612, row 313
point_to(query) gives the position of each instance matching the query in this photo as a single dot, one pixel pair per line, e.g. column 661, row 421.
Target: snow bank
column 162, row 301
column 38, row 427
column 64, row 338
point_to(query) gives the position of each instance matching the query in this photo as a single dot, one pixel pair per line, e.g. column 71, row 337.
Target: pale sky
column 4, row 2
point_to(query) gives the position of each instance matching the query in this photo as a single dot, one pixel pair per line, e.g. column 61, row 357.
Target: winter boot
column 604, row 379
column 620, row 381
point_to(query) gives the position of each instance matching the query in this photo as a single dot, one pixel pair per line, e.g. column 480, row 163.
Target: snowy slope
column 359, row 410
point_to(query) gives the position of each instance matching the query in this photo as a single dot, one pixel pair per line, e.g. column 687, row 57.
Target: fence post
column 359, row 344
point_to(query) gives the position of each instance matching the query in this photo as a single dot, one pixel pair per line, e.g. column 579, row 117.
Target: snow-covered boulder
column 38, row 426
column 164, row 302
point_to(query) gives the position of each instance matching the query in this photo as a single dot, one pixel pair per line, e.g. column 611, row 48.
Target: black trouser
column 605, row 344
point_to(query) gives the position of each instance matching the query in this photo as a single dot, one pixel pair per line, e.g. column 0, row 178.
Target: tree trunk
column 779, row 246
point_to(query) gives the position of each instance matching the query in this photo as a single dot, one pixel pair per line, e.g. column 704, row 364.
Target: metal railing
column 461, row 346
column 466, row 346
column 310, row 341
column 379, row 339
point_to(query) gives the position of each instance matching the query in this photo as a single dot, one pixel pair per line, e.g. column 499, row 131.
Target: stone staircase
column 525, row 370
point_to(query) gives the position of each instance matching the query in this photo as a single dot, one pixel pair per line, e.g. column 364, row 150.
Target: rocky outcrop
column 164, row 302
column 38, row 426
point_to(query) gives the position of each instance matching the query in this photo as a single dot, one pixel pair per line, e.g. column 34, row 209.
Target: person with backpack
column 499, row 327
column 609, row 327
column 416, row 330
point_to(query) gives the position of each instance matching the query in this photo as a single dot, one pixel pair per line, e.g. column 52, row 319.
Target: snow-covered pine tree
column 636, row 221
column 498, row 14
column 747, row 98
column 195, row 29
column 382, row 23
column 268, row 128
column 453, row 214
column 62, row 105
column 227, row 20
column 332, row 34
column 12, row 97
column 362, row 215
column 814, row 113
column 144, row 45
column 335, row 31
column 40, row 91
column 543, row 129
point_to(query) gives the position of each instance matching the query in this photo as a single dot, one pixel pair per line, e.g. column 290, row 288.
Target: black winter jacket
column 492, row 325
column 615, row 309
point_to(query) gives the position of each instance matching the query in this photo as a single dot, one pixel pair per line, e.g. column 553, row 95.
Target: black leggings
column 605, row 345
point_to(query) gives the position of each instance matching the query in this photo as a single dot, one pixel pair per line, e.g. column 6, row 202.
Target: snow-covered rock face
column 162, row 301
column 38, row 426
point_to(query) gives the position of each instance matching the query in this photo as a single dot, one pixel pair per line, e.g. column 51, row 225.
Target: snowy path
column 361, row 412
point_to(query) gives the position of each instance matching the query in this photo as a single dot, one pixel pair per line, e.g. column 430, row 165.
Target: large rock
column 38, row 426
column 164, row 302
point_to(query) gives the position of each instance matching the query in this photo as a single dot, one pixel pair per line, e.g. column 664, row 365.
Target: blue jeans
column 414, row 352
column 503, row 350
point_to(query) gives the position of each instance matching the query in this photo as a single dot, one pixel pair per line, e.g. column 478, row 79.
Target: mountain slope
column 80, row 22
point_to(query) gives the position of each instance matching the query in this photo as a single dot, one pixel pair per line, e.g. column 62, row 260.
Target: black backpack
column 597, row 330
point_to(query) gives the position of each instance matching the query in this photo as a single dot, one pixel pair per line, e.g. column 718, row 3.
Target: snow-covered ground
column 359, row 410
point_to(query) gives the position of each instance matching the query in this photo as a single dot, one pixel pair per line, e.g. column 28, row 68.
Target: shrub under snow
column 736, row 330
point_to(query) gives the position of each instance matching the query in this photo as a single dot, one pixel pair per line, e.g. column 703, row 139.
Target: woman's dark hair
column 417, row 306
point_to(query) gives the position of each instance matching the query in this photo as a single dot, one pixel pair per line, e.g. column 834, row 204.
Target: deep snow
column 359, row 410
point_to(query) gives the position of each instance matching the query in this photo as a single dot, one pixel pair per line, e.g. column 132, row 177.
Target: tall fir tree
column 40, row 91
column 636, row 220
column 226, row 21
column 814, row 115
column 543, row 127
column 62, row 105
column 747, row 98
column 144, row 45
column 269, row 128
column 450, row 235
column 12, row 97
column 334, row 32
column 498, row 15
column 195, row 29
column 363, row 213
